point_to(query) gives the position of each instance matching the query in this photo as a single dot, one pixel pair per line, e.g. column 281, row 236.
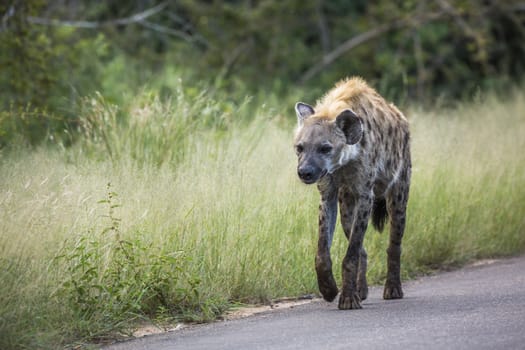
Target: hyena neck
column 348, row 153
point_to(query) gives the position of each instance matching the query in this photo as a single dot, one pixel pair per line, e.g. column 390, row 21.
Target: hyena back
column 355, row 146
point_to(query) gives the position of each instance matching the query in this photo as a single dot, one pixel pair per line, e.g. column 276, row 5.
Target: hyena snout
column 309, row 173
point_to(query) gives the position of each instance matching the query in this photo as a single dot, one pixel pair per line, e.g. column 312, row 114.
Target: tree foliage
column 43, row 72
column 53, row 52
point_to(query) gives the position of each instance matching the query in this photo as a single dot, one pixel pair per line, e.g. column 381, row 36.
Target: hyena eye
column 325, row 149
column 299, row 149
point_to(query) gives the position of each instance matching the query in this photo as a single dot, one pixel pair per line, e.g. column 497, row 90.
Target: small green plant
column 110, row 281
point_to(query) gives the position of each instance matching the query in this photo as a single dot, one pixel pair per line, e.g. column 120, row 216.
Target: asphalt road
column 478, row 307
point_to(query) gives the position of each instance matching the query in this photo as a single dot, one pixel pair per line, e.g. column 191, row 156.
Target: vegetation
column 146, row 169
column 226, row 221
column 55, row 53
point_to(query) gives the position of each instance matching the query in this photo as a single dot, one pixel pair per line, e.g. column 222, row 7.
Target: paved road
column 478, row 307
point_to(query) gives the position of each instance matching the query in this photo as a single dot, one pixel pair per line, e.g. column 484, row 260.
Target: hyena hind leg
column 396, row 207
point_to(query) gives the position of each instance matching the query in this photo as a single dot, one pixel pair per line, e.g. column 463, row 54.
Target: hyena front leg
column 347, row 208
column 354, row 278
column 362, row 284
column 327, row 220
column 396, row 206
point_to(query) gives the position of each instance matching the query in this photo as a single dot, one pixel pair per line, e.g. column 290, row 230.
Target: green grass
column 203, row 209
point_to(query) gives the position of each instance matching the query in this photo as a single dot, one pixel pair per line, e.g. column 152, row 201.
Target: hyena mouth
column 311, row 178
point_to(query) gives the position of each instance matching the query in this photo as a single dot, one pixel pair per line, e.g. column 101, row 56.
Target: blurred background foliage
column 54, row 53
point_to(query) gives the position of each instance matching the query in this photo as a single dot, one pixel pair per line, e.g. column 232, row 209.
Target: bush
column 108, row 281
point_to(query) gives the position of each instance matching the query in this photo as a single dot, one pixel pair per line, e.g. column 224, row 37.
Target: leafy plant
column 110, row 281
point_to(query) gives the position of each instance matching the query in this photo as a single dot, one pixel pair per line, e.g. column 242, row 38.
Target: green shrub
column 108, row 281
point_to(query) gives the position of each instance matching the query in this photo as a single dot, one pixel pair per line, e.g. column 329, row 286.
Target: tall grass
column 203, row 210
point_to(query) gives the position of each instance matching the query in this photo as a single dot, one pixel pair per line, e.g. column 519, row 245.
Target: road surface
column 478, row 307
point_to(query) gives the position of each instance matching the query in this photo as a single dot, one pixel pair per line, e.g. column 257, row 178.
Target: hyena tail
column 379, row 214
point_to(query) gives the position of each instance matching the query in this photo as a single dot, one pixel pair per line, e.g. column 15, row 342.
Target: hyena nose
column 306, row 173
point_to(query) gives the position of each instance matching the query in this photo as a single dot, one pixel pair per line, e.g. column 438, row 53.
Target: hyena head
column 322, row 144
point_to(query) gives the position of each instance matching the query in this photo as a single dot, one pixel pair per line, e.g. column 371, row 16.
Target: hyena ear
column 303, row 111
column 351, row 126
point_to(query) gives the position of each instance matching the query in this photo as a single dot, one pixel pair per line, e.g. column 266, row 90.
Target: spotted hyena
column 355, row 146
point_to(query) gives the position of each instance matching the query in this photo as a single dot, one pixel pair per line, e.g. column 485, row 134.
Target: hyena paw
column 328, row 288
column 363, row 292
column 392, row 291
column 348, row 302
